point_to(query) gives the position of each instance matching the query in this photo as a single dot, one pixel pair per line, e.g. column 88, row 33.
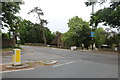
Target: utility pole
column 92, row 24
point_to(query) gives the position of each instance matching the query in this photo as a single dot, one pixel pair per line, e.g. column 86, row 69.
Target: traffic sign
column 92, row 34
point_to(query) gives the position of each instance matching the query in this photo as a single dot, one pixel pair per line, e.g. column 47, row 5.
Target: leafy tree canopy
column 32, row 33
column 78, row 33
column 109, row 16
column 99, row 37
column 9, row 9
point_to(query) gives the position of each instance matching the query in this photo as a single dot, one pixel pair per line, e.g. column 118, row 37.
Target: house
column 57, row 41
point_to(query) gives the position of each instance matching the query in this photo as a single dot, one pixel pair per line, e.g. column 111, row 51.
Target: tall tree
column 9, row 10
column 112, row 39
column 40, row 13
column 29, row 33
column 100, row 37
column 78, row 33
column 109, row 16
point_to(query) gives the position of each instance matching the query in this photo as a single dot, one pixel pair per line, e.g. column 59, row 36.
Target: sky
column 57, row 12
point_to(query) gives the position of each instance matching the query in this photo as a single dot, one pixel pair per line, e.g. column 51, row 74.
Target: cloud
column 57, row 12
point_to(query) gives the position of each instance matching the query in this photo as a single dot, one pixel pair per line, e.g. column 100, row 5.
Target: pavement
column 71, row 64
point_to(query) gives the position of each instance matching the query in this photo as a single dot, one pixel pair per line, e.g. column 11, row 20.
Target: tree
column 56, row 33
column 5, row 36
column 109, row 16
column 9, row 10
column 29, row 33
column 100, row 37
column 78, row 33
column 49, row 35
column 25, row 31
column 15, row 29
column 39, row 12
column 113, row 39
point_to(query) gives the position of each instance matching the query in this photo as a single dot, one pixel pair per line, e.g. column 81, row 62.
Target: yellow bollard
column 16, row 57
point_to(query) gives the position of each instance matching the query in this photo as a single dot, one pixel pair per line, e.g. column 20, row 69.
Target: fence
column 8, row 43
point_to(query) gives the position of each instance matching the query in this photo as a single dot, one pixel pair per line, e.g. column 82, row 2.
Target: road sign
column 92, row 34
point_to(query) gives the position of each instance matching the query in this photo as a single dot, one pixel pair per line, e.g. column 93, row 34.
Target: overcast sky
column 57, row 12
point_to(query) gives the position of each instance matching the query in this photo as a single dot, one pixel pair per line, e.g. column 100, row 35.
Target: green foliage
column 0, row 33
column 9, row 19
column 113, row 40
column 78, row 33
column 99, row 37
column 40, row 13
column 32, row 33
column 56, row 33
column 89, row 3
column 109, row 16
column 49, row 35
column 9, row 10
column 5, row 36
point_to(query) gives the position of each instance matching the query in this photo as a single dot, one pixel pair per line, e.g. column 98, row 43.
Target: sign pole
column 92, row 35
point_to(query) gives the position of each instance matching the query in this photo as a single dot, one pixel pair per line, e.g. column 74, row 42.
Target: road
column 71, row 64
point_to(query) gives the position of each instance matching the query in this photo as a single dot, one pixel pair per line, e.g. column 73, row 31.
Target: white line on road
column 64, row 64
column 17, row 70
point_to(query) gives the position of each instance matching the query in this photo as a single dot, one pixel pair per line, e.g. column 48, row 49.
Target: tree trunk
column 43, row 33
column 14, row 38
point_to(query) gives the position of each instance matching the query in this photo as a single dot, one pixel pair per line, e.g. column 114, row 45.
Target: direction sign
column 92, row 34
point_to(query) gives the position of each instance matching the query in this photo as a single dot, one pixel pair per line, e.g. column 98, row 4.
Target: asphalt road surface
column 71, row 64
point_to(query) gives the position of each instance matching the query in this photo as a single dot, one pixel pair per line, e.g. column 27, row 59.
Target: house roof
column 55, row 40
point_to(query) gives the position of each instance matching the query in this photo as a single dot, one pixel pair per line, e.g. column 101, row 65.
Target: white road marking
column 64, row 64
column 17, row 70
column 70, row 62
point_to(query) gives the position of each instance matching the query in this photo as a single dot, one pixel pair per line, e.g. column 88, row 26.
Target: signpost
column 92, row 35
